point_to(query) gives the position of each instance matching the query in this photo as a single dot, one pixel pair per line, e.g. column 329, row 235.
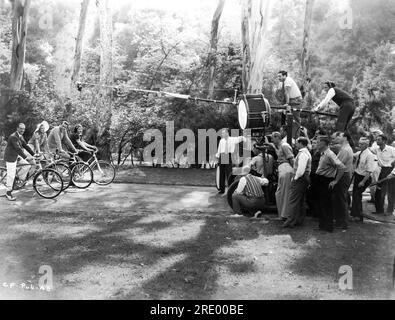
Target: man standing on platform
column 292, row 98
column 329, row 172
column 340, row 191
column 295, row 209
column 343, row 100
column 224, row 155
column 362, row 177
column 385, row 156
column 285, row 159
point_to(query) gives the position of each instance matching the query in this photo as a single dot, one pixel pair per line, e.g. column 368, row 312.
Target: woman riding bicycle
column 39, row 141
column 84, row 149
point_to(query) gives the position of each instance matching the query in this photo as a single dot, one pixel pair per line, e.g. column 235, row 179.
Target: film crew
column 343, row 100
column 249, row 197
column 224, row 155
column 311, row 196
column 291, row 98
column 59, row 137
column 285, row 160
column 364, row 168
column 295, row 208
column 330, row 170
column 14, row 154
column 256, row 164
column 386, row 156
column 340, row 196
column 375, row 132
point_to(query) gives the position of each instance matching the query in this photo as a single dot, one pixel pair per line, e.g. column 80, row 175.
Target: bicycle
column 55, row 164
column 81, row 173
column 47, row 183
column 103, row 171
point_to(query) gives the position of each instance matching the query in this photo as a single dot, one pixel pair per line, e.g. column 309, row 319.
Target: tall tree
column 255, row 17
column 78, row 45
column 259, row 48
column 20, row 11
column 306, row 40
column 214, row 47
column 245, row 39
column 104, row 103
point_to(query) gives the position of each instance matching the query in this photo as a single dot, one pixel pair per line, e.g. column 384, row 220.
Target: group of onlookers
column 22, row 154
column 319, row 175
column 318, row 178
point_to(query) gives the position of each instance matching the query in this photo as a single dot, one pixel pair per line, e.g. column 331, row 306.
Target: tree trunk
column 306, row 40
column 78, row 45
column 213, row 47
column 259, row 49
column 281, row 24
column 245, row 38
column 20, row 13
column 255, row 16
column 103, row 107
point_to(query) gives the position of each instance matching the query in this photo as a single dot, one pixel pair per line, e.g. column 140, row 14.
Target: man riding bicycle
column 59, row 138
column 14, row 153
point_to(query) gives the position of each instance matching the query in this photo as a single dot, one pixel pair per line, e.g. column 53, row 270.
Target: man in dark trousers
column 340, row 191
column 343, row 100
column 14, row 154
column 295, row 208
column 386, row 156
column 362, row 177
column 291, row 97
column 226, row 148
column 329, row 172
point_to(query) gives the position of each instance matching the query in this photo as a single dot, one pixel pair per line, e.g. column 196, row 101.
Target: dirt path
column 132, row 241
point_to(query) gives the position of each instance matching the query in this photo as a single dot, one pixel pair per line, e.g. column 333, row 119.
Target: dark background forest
column 168, row 47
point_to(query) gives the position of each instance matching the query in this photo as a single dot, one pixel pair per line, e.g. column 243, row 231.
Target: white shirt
column 294, row 91
column 228, row 145
column 303, row 158
column 386, row 156
column 367, row 163
column 331, row 93
column 243, row 182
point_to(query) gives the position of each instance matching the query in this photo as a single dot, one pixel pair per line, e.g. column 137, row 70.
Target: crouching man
column 249, row 198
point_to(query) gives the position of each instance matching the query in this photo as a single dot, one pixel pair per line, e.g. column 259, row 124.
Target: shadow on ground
column 168, row 246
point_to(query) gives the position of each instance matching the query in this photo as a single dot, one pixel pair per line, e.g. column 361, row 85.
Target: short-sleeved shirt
column 386, row 156
column 329, row 164
column 346, row 156
column 295, row 91
column 284, row 153
column 365, row 162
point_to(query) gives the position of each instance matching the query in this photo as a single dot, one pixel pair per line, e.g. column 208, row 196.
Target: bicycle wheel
column 103, row 172
column 48, row 183
column 3, row 176
column 64, row 172
column 81, row 175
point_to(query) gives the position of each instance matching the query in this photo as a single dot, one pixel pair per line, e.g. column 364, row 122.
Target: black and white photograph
column 213, row 152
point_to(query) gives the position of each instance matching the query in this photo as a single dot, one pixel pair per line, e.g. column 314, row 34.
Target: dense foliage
column 159, row 49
